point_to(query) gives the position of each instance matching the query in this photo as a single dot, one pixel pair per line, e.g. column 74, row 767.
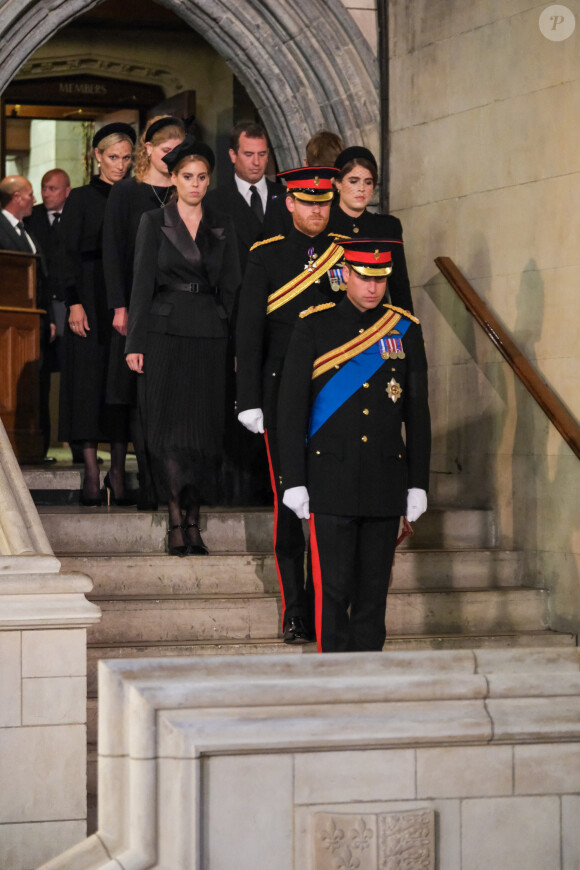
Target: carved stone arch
column 98, row 63
column 304, row 63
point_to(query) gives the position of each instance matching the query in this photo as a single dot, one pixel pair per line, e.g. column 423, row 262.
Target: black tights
column 92, row 485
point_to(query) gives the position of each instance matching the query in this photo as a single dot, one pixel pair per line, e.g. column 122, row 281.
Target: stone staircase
column 452, row 586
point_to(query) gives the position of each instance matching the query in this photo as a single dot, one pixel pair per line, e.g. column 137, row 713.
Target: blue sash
column 350, row 378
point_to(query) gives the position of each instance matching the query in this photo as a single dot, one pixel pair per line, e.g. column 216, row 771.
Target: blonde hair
column 113, row 139
column 142, row 158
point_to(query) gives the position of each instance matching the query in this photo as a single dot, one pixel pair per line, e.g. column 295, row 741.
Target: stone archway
column 304, row 63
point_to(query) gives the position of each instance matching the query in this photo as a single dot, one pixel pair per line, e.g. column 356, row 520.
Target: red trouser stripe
column 275, row 492
column 317, row 582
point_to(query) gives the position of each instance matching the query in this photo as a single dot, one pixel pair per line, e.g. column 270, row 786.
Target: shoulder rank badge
column 391, row 347
column 336, row 279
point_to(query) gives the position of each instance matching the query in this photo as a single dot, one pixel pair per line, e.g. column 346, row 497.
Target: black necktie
column 256, row 203
column 55, row 217
column 25, row 244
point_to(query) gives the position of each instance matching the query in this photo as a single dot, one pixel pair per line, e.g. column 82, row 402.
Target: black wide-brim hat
column 369, row 257
column 310, row 183
column 116, row 127
column 353, row 153
column 190, row 147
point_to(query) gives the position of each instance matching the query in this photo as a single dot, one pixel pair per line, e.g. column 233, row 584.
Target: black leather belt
column 190, row 288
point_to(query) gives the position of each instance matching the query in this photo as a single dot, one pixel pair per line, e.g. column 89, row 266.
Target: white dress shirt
column 261, row 186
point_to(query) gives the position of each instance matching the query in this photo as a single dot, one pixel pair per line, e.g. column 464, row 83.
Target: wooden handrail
column 550, row 404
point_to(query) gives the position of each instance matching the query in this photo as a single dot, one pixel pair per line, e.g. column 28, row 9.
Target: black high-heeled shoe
column 195, row 545
column 112, row 499
column 90, row 502
column 176, row 549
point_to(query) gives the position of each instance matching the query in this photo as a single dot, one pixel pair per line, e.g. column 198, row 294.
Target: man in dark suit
column 17, row 202
column 44, row 223
column 255, row 204
column 257, row 208
column 355, row 373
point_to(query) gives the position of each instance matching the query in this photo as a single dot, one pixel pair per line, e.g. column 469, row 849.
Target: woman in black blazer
column 350, row 217
column 84, row 415
column 186, row 275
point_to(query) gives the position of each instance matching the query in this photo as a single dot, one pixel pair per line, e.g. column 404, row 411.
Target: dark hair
column 252, row 131
column 323, row 148
column 359, row 161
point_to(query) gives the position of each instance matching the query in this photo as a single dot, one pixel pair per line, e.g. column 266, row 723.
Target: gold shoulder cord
column 267, row 241
column 314, row 308
column 403, row 312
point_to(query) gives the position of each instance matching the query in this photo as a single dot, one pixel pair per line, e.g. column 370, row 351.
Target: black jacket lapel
column 177, row 233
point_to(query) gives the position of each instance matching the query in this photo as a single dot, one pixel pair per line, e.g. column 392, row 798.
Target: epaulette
column 267, row 241
column 314, row 308
column 403, row 312
column 338, row 236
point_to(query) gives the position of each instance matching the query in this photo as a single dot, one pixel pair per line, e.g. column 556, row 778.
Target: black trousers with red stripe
column 289, row 545
column 351, row 565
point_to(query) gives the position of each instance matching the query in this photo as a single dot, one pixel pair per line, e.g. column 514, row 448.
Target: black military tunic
column 261, row 344
column 378, row 226
column 357, row 468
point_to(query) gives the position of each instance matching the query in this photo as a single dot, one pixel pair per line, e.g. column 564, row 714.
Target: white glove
column 253, row 420
column 297, row 499
column 416, row 503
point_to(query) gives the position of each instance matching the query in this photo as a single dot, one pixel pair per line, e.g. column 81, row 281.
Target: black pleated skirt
column 182, row 406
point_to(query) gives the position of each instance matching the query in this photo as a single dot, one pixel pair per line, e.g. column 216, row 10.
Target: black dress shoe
column 295, row 631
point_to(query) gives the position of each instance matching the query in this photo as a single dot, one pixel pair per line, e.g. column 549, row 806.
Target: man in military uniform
column 284, row 275
column 354, row 374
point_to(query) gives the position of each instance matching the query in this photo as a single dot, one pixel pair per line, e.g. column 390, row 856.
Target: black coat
column 262, row 339
column 378, row 226
column 84, row 374
column 357, row 463
column 277, row 219
column 166, row 254
column 128, row 201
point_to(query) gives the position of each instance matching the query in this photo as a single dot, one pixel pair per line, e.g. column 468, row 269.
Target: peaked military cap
column 310, row 183
column 369, row 257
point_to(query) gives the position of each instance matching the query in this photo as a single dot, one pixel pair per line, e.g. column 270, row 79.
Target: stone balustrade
column 466, row 759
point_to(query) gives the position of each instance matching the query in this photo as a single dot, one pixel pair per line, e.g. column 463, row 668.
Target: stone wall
column 485, row 169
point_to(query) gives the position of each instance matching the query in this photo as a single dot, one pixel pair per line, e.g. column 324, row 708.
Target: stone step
column 255, row 573
column 115, row 530
column 145, row 619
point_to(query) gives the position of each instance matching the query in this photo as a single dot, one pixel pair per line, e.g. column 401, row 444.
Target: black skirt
column 182, row 405
column 83, row 413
